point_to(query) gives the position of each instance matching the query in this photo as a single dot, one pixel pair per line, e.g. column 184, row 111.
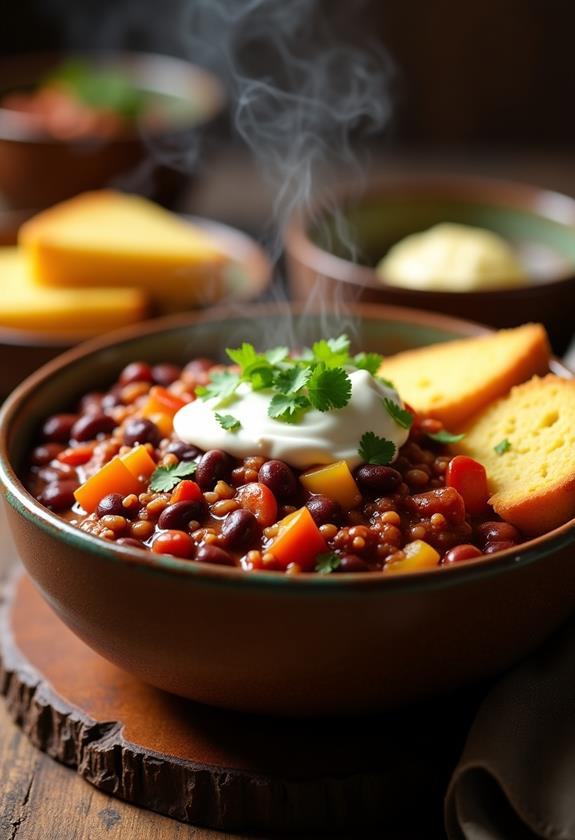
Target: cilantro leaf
column 327, row 563
column 376, row 450
column 503, row 446
column 276, row 355
column 165, row 478
column 333, row 353
column 242, row 356
column 221, row 386
column 292, row 380
column 445, row 437
column 387, row 382
column 368, row 361
column 228, row 422
column 328, row 388
column 287, row 407
column 401, row 416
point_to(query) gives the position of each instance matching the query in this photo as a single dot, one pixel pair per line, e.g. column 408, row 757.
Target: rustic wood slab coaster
column 216, row 768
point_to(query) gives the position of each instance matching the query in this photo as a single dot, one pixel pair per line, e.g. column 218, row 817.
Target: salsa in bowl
column 326, row 640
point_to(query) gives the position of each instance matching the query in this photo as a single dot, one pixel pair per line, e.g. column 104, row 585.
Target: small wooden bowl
column 38, row 170
column 267, row 642
column 539, row 222
column 24, row 351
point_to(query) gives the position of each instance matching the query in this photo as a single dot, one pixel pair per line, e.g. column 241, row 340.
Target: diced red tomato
column 75, row 456
column 469, row 478
column 174, row 542
column 186, row 491
column 259, row 500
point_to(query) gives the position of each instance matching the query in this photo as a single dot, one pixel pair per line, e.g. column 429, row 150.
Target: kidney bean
column 279, row 478
column 459, row 553
column 58, row 428
column 215, row 555
column 213, row 465
column 197, row 370
column 89, row 426
column 129, row 541
column 323, row 509
column 136, row 372
column 112, row 399
column 177, row 515
column 240, row 529
column 490, row 532
column 91, row 403
column 444, row 500
column 498, row 545
column 165, row 374
column 57, row 471
column 141, row 430
column 373, row 478
column 352, row 563
column 183, row 451
column 111, row 505
column 45, row 453
column 58, row 495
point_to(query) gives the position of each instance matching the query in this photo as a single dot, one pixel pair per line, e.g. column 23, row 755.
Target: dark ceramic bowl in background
column 37, row 170
column 539, row 223
column 24, row 351
column 267, row 642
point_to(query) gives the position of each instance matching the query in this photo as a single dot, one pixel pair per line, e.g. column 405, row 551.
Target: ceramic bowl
column 539, row 223
column 37, row 170
column 23, row 351
column 271, row 643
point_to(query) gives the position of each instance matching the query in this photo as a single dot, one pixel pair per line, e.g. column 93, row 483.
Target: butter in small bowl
column 452, row 257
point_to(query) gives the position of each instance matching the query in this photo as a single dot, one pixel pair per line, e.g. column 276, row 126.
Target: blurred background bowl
column 247, row 278
column 538, row 223
column 37, row 169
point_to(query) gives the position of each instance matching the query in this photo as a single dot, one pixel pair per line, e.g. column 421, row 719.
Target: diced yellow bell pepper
column 419, row 556
column 335, row 481
column 139, row 462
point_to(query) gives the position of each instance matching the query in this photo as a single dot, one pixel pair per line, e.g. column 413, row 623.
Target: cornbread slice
column 108, row 238
column 533, row 481
column 453, row 380
column 24, row 305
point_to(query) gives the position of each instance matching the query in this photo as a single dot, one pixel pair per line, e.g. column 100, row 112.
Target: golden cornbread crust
column 533, row 482
column 454, row 380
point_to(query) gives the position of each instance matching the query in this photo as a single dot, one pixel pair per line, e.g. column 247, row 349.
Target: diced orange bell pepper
column 139, row 462
column 419, row 556
column 160, row 400
column 298, row 541
column 335, row 481
column 113, row 477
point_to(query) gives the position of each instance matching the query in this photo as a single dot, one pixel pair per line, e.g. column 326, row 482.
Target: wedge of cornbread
column 108, row 238
column 25, row 305
column 451, row 381
column 531, row 473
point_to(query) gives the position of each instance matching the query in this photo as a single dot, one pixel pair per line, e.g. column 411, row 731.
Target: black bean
column 215, row 555
column 240, row 529
column 212, row 466
column 45, row 453
column 177, row 516
column 183, row 451
column 141, row 430
column 323, row 509
column 59, row 495
column 136, row 372
column 373, row 478
column 280, row 479
column 58, row 427
column 165, row 374
column 352, row 563
column 111, row 505
column 89, row 426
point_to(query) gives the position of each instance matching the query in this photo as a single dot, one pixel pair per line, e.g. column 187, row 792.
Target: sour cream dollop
column 319, row 437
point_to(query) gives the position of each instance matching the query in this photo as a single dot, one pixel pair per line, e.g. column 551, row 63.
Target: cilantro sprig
column 503, row 446
column 445, row 437
column 228, row 422
column 165, row 478
column 221, row 386
column 327, row 563
column 376, row 450
column 402, row 416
